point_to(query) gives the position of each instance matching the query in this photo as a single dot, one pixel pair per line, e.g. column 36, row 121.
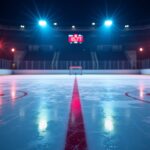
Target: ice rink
column 61, row 112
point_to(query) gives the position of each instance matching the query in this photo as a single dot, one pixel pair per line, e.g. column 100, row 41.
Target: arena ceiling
column 79, row 12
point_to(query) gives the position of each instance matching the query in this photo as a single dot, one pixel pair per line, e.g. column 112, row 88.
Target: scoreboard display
column 75, row 39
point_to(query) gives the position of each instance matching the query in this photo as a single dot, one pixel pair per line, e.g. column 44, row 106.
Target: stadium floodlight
column 42, row 23
column 13, row 50
column 93, row 23
column 141, row 49
column 22, row 26
column 73, row 26
column 126, row 26
column 55, row 23
column 108, row 23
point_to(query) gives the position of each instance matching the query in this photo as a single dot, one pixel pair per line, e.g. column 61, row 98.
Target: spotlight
column 13, row 50
column 42, row 23
column 73, row 26
column 141, row 49
column 22, row 26
column 126, row 26
column 55, row 23
column 93, row 23
column 108, row 23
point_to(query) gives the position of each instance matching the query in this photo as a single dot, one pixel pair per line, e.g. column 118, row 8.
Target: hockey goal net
column 75, row 70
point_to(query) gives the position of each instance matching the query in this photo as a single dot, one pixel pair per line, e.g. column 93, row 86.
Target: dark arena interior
column 74, row 75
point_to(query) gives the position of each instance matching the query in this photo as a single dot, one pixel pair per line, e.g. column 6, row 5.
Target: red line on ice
column 76, row 137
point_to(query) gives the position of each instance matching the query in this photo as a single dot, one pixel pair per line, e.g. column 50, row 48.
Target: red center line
column 76, row 137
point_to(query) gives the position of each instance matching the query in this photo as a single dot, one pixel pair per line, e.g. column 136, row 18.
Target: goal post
column 75, row 70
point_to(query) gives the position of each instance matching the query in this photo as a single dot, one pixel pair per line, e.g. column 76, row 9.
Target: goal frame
column 75, row 70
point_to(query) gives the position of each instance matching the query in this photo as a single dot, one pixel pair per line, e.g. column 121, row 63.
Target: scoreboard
column 75, row 39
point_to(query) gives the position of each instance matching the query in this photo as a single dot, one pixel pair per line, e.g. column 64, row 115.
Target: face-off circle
column 148, row 94
column 143, row 96
column 12, row 96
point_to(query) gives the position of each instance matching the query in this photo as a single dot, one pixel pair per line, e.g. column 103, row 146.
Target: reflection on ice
column 141, row 93
column 42, row 125
column 108, row 118
column 13, row 92
column 109, row 124
column 42, row 121
column 43, row 118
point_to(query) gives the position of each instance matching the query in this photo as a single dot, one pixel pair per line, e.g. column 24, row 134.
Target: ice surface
column 114, row 121
column 37, row 120
column 34, row 111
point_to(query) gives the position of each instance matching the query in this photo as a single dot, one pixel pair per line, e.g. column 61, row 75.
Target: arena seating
column 39, row 56
column 75, row 55
column 5, row 55
column 111, row 55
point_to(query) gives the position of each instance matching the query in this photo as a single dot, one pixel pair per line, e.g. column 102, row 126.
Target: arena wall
column 21, row 72
column 83, row 72
column 145, row 71
column 5, row 72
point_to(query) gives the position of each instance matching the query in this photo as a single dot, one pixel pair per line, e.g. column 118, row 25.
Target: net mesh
column 75, row 70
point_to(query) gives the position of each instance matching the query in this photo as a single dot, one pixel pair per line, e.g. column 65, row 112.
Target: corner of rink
column 61, row 72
